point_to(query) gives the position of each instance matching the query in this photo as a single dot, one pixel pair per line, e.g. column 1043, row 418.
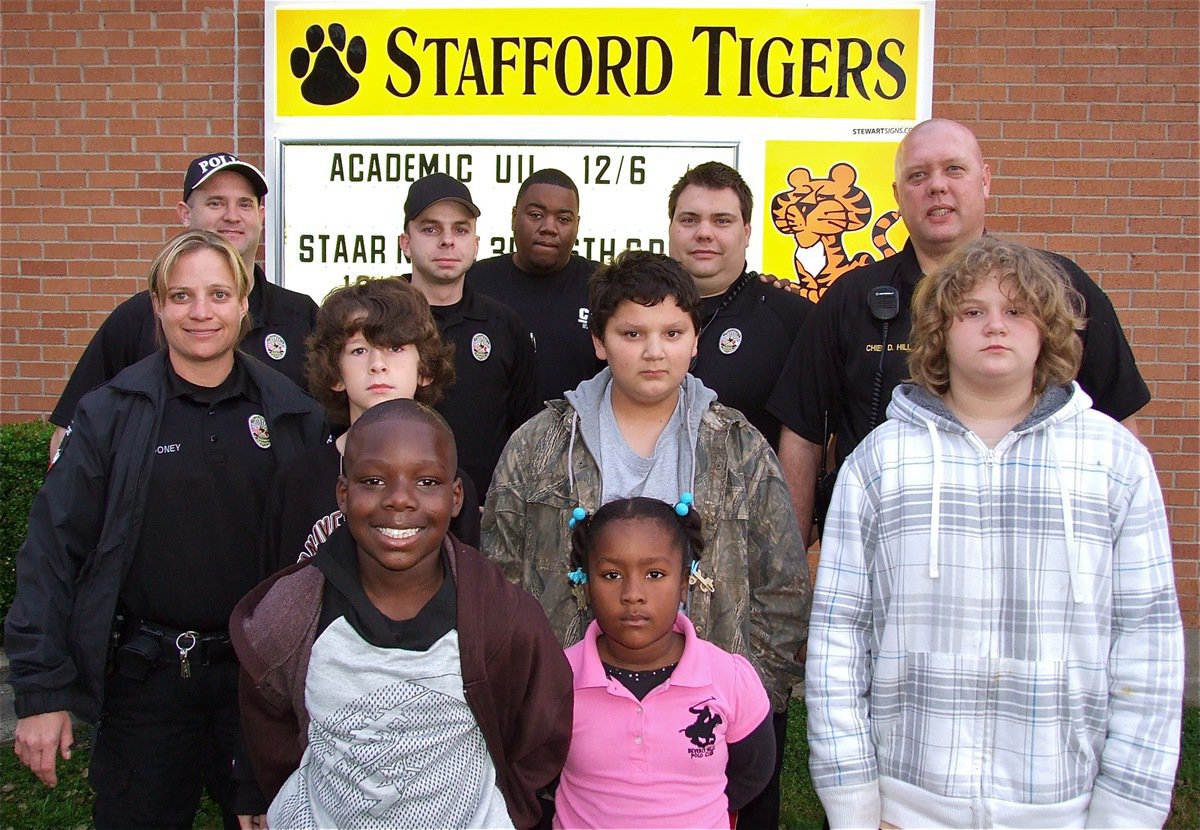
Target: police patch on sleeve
column 275, row 346
column 481, row 347
column 259, row 431
column 730, row 340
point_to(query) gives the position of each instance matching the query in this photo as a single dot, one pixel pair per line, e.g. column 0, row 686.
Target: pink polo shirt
column 659, row 762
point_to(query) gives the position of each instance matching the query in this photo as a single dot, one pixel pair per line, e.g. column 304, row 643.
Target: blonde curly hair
column 1030, row 277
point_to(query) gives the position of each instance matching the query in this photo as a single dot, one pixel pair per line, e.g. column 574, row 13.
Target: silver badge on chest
column 259, row 431
column 481, row 347
column 275, row 346
column 731, row 340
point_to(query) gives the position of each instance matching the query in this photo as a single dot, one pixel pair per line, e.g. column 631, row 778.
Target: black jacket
column 84, row 528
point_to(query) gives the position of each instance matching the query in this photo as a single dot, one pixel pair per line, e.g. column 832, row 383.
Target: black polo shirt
column 210, row 469
column 743, row 347
column 280, row 322
column 833, row 364
column 552, row 306
column 495, row 373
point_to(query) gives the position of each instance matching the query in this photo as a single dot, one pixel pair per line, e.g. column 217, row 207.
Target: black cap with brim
column 202, row 168
column 436, row 187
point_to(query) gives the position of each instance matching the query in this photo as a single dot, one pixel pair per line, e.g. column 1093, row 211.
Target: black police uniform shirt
column 833, row 365
column 495, row 374
column 302, row 510
column 552, row 306
column 281, row 321
column 746, row 335
column 212, row 465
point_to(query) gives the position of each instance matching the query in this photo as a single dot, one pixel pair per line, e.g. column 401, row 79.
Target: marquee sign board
column 806, row 100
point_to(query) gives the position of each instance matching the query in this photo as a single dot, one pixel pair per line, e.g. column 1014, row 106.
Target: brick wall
column 104, row 104
column 1087, row 110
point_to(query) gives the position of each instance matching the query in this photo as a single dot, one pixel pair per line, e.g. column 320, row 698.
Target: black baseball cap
column 434, row 188
column 201, row 168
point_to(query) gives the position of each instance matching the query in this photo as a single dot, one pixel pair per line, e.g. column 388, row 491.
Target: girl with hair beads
column 669, row 730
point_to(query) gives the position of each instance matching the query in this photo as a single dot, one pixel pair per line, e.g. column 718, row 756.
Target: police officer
column 224, row 194
column 143, row 537
column 748, row 326
column 853, row 351
column 495, row 370
column 546, row 282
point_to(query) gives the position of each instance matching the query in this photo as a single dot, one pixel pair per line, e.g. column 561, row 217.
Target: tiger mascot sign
column 817, row 213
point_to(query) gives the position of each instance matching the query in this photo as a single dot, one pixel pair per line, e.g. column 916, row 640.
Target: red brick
column 1171, row 37
column 156, row 38
column 1060, row 115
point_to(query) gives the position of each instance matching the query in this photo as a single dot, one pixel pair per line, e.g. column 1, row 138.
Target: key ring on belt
column 185, row 642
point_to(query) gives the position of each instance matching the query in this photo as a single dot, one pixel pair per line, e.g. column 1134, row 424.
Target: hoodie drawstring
column 571, row 453
column 935, row 513
column 1068, row 519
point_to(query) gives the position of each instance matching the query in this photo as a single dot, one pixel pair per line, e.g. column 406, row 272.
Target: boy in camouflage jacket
column 574, row 455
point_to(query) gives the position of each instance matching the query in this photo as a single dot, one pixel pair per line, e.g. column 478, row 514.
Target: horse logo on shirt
column 702, row 733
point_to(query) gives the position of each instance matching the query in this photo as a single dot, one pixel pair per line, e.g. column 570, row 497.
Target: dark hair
column 713, row 175
column 641, row 277
column 548, row 175
column 388, row 312
column 686, row 531
column 404, row 410
column 1030, row 277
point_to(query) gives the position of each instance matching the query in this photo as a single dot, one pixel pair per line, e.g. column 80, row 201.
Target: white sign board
column 344, row 210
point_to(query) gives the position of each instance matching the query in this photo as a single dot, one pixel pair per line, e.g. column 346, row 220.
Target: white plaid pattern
column 990, row 681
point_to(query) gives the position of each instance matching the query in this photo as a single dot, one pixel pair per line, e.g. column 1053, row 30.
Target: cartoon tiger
column 816, row 212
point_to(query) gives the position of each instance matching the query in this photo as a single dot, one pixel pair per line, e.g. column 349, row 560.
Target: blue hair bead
column 577, row 577
column 685, row 504
column 695, row 568
column 577, row 516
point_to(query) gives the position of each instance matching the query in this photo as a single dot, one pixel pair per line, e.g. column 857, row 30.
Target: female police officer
column 141, row 541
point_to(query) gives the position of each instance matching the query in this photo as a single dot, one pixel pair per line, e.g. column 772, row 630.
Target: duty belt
column 145, row 645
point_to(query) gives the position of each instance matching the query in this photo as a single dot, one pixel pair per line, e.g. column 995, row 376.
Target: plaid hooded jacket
column 995, row 633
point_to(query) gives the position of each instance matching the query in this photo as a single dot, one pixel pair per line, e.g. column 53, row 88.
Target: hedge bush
column 23, row 453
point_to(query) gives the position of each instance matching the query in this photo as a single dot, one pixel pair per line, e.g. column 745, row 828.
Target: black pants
column 762, row 813
column 161, row 741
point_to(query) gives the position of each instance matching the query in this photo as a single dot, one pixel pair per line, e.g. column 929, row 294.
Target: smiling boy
column 645, row 427
column 396, row 679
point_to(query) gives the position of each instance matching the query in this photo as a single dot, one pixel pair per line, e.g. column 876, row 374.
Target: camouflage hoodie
column 753, row 550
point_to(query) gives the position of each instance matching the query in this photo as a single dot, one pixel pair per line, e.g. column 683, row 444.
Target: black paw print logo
column 329, row 82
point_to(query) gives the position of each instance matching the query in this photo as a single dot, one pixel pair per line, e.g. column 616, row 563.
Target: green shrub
column 23, row 453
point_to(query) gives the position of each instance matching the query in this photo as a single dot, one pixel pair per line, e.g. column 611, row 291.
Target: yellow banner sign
column 756, row 63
